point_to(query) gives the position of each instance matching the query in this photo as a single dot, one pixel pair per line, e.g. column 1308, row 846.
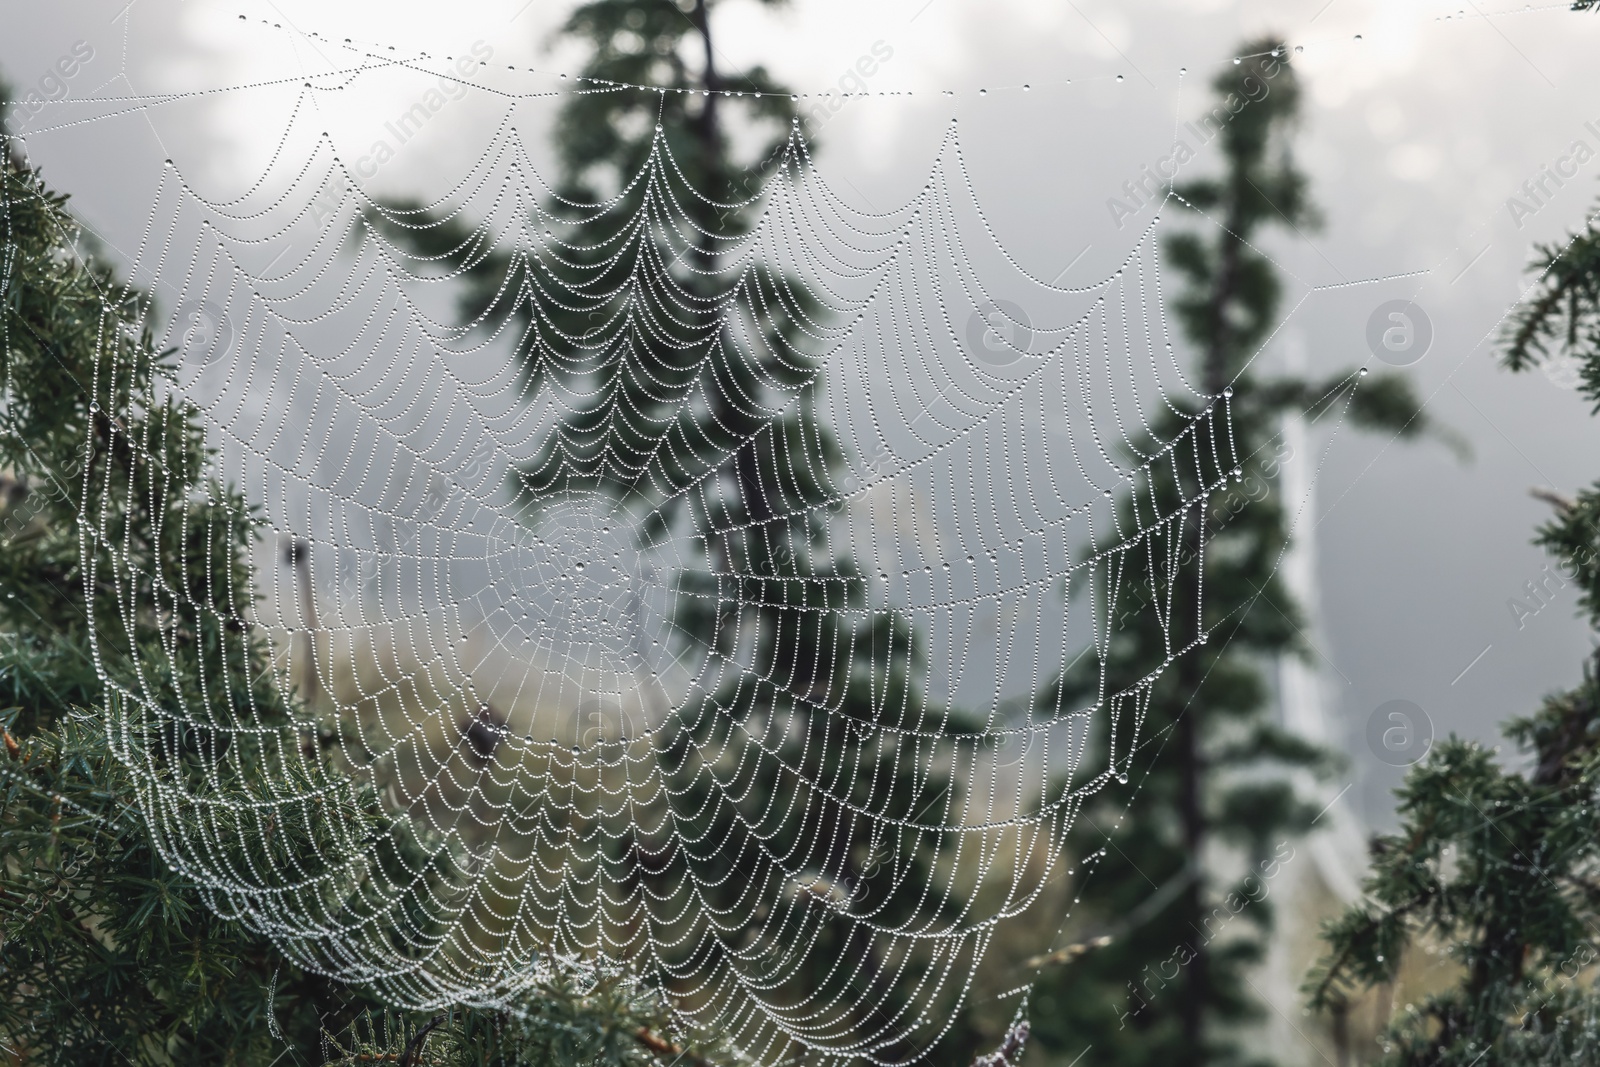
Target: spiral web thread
column 520, row 669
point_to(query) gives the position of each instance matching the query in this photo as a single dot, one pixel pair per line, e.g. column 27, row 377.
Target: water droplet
column 658, row 127
column 1026, row 87
column 1364, row 372
column 983, row 92
column 1119, row 77
column 1227, row 391
column 1182, row 71
column 1299, row 48
column 1237, row 61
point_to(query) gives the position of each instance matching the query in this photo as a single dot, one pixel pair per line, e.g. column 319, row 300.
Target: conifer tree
column 1165, row 938
column 1495, row 872
column 684, row 397
column 107, row 955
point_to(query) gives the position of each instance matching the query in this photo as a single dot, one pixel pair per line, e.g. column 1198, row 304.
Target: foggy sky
column 1416, row 134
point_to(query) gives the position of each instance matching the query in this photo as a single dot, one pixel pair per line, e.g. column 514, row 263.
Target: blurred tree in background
column 681, row 376
column 107, row 955
column 1175, row 908
column 1496, row 872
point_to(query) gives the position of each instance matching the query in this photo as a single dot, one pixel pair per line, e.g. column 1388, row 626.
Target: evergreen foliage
column 1495, row 869
column 1166, row 933
column 107, row 954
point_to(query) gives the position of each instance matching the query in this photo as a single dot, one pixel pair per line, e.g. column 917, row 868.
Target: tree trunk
column 1189, row 734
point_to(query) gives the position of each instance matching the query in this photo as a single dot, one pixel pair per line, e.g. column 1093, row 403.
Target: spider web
column 552, row 649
